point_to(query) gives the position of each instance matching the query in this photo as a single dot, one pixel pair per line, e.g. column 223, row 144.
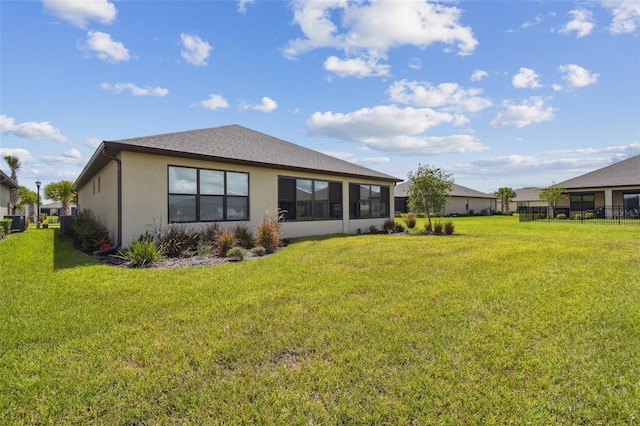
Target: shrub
column 438, row 228
column 226, row 240
column 204, row 249
column 237, row 253
column 259, row 251
column 415, row 231
column 427, row 227
column 210, row 233
column 178, row 241
column 472, row 212
column 389, row 226
column 448, row 228
column 561, row 216
column 269, row 233
column 5, row 227
column 589, row 215
column 244, row 237
column 86, row 231
column 140, row 253
column 577, row 217
column 373, row 229
column 398, row 227
column 410, row 220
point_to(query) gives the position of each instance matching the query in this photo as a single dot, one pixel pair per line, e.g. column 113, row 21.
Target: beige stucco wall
column 5, row 199
column 103, row 202
column 457, row 205
column 145, row 197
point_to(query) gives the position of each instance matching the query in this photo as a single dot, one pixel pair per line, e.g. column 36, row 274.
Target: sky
column 496, row 93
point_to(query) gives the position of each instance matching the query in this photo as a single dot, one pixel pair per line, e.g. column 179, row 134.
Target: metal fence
column 609, row 215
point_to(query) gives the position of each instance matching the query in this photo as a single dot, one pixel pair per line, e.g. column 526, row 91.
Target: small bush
column 427, row 227
column 226, row 240
column 389, row 226
column 178, row 241
column 589, row 215
column 438, row 228
column 399, row 228
column 448, row 228
column 210, row 234
column 244, row 237
column 204, row 249
column 236, row 252
column 269, row 233
column 140, row 253
column 577, row 217
column 86, row 231
column 373, row 229
column 561, row 216
column 5, row 227
column 410, row 220
column 259, row 251
column 415, row 231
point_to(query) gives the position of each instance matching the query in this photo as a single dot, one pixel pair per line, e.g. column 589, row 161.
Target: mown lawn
column 500, row 323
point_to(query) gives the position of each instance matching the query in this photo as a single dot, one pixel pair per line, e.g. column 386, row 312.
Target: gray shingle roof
column 527, row 194
column 7, row 181
column 235, row 144
column 457, row 191
column 622, row 173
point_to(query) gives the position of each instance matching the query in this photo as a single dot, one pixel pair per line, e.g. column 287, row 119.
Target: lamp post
column 38, row 183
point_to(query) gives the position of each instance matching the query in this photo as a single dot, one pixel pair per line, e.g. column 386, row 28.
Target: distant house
column 614, row 187
column 55, row 209
column 526, row 197
column 6, row 185
column 461, row 200
column 228, row 175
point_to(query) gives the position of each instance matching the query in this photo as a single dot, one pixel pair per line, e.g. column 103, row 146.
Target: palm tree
column 14, row 166
column 505, row 195
column 60, row 191
column 28, row 198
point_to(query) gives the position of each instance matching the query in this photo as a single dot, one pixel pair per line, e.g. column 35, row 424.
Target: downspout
column 119, row 201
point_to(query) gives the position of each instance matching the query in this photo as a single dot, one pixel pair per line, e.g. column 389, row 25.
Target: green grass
column 500, row 323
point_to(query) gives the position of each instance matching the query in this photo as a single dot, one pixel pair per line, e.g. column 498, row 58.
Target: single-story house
column 55, row 209
column 6, row 186
column 525, row 198
column 611, row 188
column 228, row 175
column 461, row 200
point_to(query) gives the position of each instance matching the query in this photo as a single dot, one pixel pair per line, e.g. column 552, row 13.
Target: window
column 582, row 202
column 202, row 195
column 309, row 199
column 368, row 201
column 631, row 202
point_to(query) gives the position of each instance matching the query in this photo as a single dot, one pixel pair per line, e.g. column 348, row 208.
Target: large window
column 368, row 201
column 582, row 202
column 631, row 202
column 202, row 195
column 309, row 199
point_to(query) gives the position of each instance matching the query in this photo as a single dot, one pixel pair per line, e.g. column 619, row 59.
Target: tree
column 428, row 189
column 551, row 195
column 14, row 166
column 505, row 195
column 61, row 191
column 27, row 198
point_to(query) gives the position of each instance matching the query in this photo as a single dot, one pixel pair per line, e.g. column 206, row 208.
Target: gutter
column 119, row 173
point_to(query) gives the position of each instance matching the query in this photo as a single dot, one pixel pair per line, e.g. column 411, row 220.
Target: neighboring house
column 228, row 175
column 525, row 197
column 612, row 188
column 6, row 185
column 460, row 200
column 55, row 209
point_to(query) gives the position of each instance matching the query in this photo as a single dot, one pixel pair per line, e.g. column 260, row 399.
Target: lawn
column 503, row 322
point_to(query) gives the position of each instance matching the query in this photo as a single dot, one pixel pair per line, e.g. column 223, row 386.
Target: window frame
column 381, row 210
column 200, row 195
column 313, row 204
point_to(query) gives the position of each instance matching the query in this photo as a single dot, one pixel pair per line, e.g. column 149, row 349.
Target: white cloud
column 195, row 50
column 31, row 129
column 367, row 30
column 373, row 161
column 79, row 13
column 93, row 142
column 448, row 96
column 72, row 157
column 393, row 129
column 22, row 154
column 577, row 76
column 357, row 67
column 528, row 112
column 267, row 105
column 526, row 78
column 106, row 48
column 582, row 23
column 214, row 102
column 478, row 75
column 242, row 5
column 135, row 90
column 415, row 64
column 626, row 15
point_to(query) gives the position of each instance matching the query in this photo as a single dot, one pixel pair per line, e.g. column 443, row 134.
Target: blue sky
column 498, row 93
